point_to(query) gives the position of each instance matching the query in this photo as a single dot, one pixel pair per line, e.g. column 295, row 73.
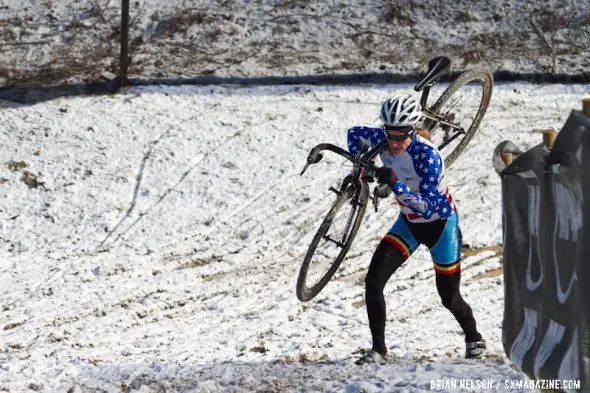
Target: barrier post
column 549, row 137
column 507, row 158
column 586, row 106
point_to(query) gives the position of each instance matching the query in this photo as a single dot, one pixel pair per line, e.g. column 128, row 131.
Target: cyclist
column 414, row 169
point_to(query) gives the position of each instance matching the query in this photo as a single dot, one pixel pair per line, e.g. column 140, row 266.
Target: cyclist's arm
column 428, row 164
column 367, row 136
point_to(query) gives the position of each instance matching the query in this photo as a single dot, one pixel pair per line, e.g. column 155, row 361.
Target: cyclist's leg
column 391, row 252
column 446, row 255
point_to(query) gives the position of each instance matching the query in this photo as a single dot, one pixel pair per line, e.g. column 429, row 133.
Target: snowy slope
column 72, row 41
column 159, row 246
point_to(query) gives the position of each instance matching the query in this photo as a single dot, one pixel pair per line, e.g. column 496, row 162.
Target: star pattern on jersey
column 429, row 199
column 401, row 188
column 359, row 136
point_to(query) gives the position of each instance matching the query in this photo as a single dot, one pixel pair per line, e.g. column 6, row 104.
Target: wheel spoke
column 326, row 252
column 460, row 107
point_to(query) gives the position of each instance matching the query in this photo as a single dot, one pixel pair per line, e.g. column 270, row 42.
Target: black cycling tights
column 385, row 261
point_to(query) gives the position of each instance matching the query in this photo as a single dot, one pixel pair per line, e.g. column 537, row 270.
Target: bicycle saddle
column 437, row 68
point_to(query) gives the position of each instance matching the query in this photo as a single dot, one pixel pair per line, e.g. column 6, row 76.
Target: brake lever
column 304, row 169
column 375, row 202
column 381, row 191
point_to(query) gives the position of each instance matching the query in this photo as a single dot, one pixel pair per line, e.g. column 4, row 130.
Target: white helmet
column 401, row 111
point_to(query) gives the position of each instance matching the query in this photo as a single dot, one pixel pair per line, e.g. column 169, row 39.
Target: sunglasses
column 406, row 131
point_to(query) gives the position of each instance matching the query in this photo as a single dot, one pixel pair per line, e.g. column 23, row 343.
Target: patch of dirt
column 469, row 252
column 13, row 325
column 358, row 304
column 489, row 274
column 497, row 253
column 30, row 179
column 213, row 276
column 259, row 349
column 304, row 359
column 14, row 166
column 196, row 263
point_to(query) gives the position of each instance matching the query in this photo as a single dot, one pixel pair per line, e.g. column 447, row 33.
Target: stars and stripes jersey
column 420, row 191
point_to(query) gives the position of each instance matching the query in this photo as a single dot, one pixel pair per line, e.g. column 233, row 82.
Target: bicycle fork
column 349, row 222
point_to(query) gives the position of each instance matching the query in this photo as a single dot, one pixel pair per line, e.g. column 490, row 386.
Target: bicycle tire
column 347, row 194
column 487, row 80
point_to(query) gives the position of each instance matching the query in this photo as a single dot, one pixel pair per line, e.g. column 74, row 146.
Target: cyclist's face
column 396, row 142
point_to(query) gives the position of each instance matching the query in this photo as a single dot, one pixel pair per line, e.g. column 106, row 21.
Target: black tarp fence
column 546, row 209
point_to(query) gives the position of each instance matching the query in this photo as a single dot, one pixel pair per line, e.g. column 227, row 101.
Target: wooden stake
column 507, row 158
column 549, row 137
column 586, row 106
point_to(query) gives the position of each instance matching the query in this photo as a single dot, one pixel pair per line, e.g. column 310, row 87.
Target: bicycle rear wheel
column 332, row 241
column 463, row 103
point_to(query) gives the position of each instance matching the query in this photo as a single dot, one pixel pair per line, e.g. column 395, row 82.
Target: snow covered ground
column 151, row 240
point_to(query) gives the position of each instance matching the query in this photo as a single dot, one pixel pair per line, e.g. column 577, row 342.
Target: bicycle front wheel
column 332, row 241
column 461, row 108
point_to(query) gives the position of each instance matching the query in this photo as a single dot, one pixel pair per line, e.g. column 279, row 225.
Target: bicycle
column 450, row 132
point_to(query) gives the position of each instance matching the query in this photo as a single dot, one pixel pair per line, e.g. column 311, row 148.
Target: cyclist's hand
column 386, row 175
column 382, row 191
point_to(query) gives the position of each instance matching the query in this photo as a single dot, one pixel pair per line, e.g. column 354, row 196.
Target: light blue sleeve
column 363, row 136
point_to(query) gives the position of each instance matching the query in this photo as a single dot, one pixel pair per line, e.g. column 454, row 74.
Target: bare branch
column 24, row 43
column 366, row 32
column 540, row 34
